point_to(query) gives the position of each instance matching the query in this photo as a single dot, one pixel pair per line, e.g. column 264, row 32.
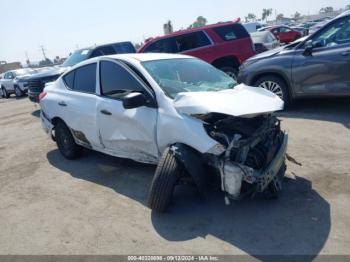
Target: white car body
column 143, row 133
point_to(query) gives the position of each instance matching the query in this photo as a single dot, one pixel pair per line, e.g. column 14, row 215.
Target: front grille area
column 35, row 85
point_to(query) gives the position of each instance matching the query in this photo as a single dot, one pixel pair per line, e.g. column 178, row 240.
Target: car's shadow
column 36, row 113
column 297, row 223
column 326, row 109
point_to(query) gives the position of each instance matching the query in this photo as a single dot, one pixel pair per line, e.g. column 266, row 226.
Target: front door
column 128, row 133
column 326, row 70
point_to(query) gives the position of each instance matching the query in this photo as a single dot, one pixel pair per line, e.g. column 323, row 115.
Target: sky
column 62, row 26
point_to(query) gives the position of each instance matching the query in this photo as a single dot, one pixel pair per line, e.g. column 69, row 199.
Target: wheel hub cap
column 273, row 87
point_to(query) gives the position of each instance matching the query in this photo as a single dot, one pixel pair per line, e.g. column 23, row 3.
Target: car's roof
column 191, row 30
column 143, row 57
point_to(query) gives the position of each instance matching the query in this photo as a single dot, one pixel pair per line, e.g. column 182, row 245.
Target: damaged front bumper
column 233, row 175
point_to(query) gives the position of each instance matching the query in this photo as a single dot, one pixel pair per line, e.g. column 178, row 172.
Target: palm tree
column 266, row 13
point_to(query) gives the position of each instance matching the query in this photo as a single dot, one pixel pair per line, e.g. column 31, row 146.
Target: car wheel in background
column 4, row 92
column 230, row 71
column 166, row 177
column 65, row 142
column 276, row 85
column 18, row 91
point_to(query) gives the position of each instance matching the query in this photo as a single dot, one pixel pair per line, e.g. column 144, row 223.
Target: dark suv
column 315, row 66
column 224, row 45
column 37, row 81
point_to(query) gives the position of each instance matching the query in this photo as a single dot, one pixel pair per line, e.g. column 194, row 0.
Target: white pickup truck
column 15, row 82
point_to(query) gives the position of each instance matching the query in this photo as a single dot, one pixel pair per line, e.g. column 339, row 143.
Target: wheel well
column 56, row 120
column 230, row 61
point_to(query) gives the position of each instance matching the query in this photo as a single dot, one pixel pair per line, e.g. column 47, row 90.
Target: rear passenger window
column 69, row 80
column 167, row 45
column 231, row 32
column 116, row 81
column 192, row 41
column 85, row 79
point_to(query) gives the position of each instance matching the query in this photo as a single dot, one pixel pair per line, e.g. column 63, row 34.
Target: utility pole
column 42, row 48
column 28, row 61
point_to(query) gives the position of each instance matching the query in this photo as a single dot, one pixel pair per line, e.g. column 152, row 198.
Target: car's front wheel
column 18, row 91
column 274, row 84
column 65, row 142
column 165, row 179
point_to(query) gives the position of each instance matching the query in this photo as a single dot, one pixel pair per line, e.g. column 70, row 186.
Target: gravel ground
column 97, row 204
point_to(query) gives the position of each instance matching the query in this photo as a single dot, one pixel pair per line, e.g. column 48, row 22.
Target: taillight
column 42, row 95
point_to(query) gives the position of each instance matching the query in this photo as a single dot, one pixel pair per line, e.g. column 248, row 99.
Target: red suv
column 224, row 45
column 284, row 33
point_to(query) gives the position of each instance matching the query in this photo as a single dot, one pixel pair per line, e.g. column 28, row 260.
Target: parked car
column 37, row 82
column 318, row 26
column 224, row 45
column 283, row 33
column 172, row 110
column 315, row 66
column 15, row 82
column 264, row 41
column 302, row 30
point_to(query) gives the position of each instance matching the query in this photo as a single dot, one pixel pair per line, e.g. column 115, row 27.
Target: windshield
column 77, row 57
column 175, row 76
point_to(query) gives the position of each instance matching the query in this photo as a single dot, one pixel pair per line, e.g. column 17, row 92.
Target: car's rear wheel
column 230, row 71
column 166, row 177
column 65, row 142
column 276, row 85
column 18, row 91
column 5, row 94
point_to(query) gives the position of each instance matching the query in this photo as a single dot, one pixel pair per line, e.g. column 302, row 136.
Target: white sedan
column 174, row 111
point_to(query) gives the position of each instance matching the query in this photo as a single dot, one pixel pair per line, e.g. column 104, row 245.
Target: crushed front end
column 251, row 155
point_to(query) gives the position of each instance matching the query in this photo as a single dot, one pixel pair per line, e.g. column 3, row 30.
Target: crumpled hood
column 241, row 101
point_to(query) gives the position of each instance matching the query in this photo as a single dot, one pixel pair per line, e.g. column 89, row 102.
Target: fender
column 192, row 162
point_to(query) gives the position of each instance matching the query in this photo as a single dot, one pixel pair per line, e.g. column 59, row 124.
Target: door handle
column 62, row 103
column 105, row 112
column 346, row 53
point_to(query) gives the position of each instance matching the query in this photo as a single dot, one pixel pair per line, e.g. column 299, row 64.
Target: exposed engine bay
column 253, row 152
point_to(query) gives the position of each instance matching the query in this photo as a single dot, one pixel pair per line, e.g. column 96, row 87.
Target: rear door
column 128, row 133
column 326, row 70
column 195, row 44
column 77, row 105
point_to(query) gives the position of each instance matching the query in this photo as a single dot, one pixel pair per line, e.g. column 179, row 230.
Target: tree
column 46, row 62
column 297, row 16
column 201, row 21
column 250, row 18
column 326, row 10
column 168, row 27
column 266, row 13
column 279, row 17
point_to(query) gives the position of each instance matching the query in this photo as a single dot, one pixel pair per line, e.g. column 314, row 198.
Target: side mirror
column 309, row 46
column 134, row 100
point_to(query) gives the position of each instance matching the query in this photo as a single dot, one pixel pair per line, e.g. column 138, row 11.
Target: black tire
column 18, row 91
column 282, row 88
column 231, row 71
column 65, row 142
column 5, row 94
column 165, row 178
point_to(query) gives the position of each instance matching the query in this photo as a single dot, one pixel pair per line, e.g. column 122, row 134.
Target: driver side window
column 116, row 81
column 334, row 34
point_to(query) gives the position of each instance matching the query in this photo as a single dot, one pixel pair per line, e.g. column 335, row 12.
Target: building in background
column 4, row 66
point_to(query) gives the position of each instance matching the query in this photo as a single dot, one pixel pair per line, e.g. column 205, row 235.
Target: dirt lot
column 97, row 204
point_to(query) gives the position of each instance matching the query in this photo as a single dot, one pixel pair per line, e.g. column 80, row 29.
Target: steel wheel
column 231, row 74
column 273, row 87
